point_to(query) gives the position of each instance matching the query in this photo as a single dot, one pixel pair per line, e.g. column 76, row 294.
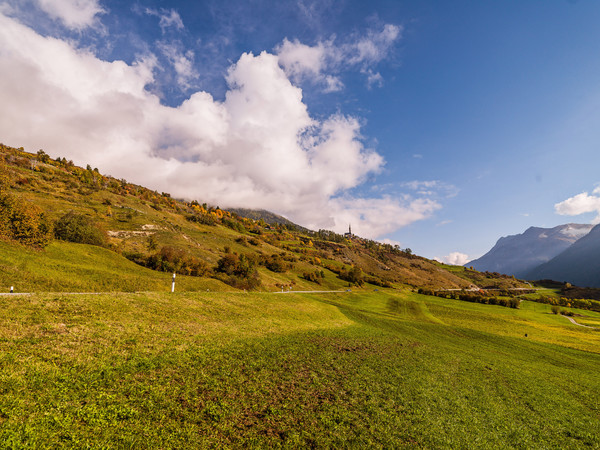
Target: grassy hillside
column 379, row 369
column 68, row 267
column 157, row 231
column 214, row 366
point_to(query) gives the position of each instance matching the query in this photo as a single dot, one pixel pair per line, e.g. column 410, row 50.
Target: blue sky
column 440, row 126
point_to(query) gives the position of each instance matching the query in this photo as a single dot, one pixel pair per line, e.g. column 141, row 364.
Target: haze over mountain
column 519, row 254
column 579, row 264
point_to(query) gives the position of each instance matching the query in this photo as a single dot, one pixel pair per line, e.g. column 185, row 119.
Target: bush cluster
column 276, row 263
column 354, row 276
column 581, row 303
column 378, row 282
column 172, row 260
column 203, row 219
column 233, row 224
column 238, row 271
column 24, row 222
column 473, row 297
column 565, row 312
column 80, row 229
column 315, row 276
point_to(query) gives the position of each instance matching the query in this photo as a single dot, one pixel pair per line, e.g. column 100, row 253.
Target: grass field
column 363, row 368
column 67, row 267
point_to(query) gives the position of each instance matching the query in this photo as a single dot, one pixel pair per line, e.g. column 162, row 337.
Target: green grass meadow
column 385, row 369
column 68, row 267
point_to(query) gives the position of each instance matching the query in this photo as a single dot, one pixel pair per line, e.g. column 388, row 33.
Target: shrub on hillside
column 203, row 219
column 514, row 303
column 582, row 303
column 242, row 240
column 79, row 228
column 233, row 224
column 355, row 276
column 238, row 265
column 24, row 222
column 473, row 297
column 238, row 271
column 171, row 259
column 378, row 282
column 315, row 276
column 275, row 263
column 247, row 283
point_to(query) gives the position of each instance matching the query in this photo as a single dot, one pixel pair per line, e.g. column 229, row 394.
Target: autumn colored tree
column 21, row 220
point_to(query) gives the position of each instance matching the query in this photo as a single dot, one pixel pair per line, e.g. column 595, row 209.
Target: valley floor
column 351, row 369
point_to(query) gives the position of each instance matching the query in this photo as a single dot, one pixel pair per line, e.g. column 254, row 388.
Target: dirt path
column 580, row 324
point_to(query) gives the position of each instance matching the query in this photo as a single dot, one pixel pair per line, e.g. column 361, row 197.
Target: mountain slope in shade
column 519, row 254
column 579, row 264
column 267, row 216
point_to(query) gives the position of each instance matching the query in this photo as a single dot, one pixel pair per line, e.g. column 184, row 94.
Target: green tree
column 42, row 156
column 355, row 276
column 79, row 228
column 151, row 243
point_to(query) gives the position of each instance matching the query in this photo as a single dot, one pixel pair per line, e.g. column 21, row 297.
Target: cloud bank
column 258, row 148
column 581, row 204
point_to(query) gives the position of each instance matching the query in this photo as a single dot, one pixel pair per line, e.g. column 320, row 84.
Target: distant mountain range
column 579, row 264
column 529, row 255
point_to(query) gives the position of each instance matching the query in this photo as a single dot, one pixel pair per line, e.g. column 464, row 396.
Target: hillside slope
column 520, row 253
column 189, row 238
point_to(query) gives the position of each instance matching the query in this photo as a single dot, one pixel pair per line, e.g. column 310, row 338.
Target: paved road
column 309, row 292
column 220, row 292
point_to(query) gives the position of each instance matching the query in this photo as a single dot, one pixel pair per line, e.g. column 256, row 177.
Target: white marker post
column 12, row 289
column 173, row 285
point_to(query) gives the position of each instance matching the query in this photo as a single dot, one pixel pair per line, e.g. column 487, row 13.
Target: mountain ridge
column 579, row 264
column 520, row 253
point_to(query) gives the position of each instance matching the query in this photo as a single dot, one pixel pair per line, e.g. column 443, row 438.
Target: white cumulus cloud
column 454, row 258
column 581, row 204
column 258, row 148
column 322, row 62
column 74, row 14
